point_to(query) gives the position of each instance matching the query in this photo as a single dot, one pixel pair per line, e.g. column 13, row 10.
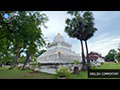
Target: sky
column 107, row 37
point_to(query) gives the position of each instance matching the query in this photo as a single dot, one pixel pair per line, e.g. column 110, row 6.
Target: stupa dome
column 59, row 38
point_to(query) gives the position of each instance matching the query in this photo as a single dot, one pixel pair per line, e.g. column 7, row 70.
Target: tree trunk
column 12, row 61
column 15, row 61
column 1, row 65
column 88, row 60
column 84, row 66
column 30, row 59
column 25, row 62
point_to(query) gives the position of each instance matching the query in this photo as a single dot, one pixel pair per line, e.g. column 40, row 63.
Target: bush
column 101, row 63
column 88, row 65
column 63, row 72
column 21, row 59
column 75, row 61
column 34, row 63
column 93, row 67
column 19, row 67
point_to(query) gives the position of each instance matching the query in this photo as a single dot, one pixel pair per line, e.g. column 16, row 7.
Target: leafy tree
column 21, row 59
column 111, row 54
column 118, row 54
column 39, row 53
column 23, row 29
column 4, row 52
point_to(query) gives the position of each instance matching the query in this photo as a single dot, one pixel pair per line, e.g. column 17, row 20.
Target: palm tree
column 82, row 28
column 75, row 29
column 89, row 29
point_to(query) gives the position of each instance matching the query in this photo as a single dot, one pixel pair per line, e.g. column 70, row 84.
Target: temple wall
column 52, row 68
column 56, row 58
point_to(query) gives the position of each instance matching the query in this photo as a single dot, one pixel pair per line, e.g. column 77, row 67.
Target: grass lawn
column 25, row 74
column 109, row 66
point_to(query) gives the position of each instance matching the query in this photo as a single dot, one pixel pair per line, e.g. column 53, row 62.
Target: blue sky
column 107, row 37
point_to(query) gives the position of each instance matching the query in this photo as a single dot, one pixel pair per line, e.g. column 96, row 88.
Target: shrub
column 19, row 67
column 75, row 61
column 101, row 63
column 93, row 67
column 34, row 63
column 88, row 65
column 63, row 72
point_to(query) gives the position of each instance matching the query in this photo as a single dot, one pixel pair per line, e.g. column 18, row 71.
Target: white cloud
column 103, row 40
column 104, row 45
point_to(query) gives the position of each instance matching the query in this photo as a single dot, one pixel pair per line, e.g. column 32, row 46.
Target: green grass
column 25, row 74
column 81, row 75
column 109, row 66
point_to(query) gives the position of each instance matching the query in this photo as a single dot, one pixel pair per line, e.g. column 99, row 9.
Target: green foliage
column 63, row 72
column 81, row 26
column 23, row 29
column 40, row 53
column 111, row 54
column 21, row 59
column 20, row 67
column 93, row 67
column 118, row 54
column 101, row 63
column 88, row 65
column 75, row 61
column 34, row 63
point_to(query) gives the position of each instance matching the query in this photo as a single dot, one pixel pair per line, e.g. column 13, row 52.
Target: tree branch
column 3, row 36
column 4, row 22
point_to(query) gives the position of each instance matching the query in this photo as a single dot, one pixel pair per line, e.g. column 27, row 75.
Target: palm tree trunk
column 88, row 60
column 84, row 66
column 25, row 61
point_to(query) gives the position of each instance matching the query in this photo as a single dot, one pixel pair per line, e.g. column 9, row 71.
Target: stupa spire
column 58, row 33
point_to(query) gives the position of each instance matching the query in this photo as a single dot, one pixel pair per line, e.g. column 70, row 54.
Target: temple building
column 58, row 53
column 96, row 57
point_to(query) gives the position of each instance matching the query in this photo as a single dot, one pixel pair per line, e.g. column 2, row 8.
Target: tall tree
column 23, row 28
column 81, row 26
column 74, row 29
column 89, row 29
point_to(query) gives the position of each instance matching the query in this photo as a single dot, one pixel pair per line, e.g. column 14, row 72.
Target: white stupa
column 59, row 52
